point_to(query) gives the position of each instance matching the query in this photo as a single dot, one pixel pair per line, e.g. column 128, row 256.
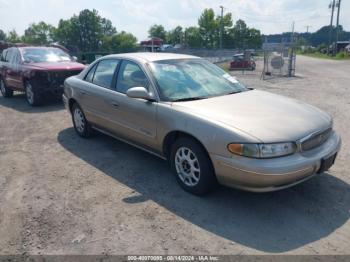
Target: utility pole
column 291, row 53
column 307, row 28
column 337, row 34
column 221, row 25
column 332, row 5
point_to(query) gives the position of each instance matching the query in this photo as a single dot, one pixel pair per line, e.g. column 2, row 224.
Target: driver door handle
column 115, row 104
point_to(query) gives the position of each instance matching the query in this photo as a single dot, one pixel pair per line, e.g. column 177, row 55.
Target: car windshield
column 192, row 79
column 38, row 55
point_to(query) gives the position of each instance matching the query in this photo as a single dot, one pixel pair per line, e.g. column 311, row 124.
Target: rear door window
column 3, row 56
column 90, row 76
column 104, row 73
column 15, row 57
column 9, row 55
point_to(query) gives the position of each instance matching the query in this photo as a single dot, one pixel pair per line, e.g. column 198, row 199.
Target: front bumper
column 264, row 175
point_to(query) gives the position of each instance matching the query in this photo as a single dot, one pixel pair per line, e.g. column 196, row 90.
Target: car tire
column 81, row 125
column 192, row 166
column 32, row 96
column 5, row 91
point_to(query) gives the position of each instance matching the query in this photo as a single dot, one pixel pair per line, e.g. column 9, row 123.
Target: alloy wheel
column 2, row 87
column 79, row 120
column 187, row 166
column 29, row 93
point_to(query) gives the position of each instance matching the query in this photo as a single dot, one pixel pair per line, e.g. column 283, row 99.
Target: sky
column 136, row 16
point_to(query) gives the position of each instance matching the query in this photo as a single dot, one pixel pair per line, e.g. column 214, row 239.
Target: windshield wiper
column 190, row 99
column 233, row 92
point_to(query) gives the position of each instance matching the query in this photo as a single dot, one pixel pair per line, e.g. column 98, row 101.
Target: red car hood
column 57, row 66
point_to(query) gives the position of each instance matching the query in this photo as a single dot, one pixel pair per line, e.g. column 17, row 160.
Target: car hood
column 57, row 66
column 268, row 117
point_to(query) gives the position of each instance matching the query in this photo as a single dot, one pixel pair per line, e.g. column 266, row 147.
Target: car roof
column 36, row 47
column 151, row 57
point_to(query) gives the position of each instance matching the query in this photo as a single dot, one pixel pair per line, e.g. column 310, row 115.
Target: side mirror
column 140, row 93
column 75, row 59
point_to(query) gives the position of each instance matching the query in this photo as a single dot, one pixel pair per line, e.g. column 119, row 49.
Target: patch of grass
column 339, row 56
column 225, row 66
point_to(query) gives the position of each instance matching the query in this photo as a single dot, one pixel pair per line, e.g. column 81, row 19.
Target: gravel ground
column 60, row 194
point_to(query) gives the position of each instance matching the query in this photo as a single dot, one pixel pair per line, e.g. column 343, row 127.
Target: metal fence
column 213, row 55
column 279, row 60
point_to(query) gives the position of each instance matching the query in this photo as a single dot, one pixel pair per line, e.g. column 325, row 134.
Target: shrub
column 342, row 54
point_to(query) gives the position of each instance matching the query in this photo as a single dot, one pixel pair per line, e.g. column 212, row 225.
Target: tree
column 119, row 43
column 317, row 38
column 240, row 33
column 68, row 34
column 322, row 35
column 254, row 39
column 39, row 34
column 90, row 28
column 227, row 30
column 175, row 36
column 193, row 37
column 2, row 35
column 107, row 27
column 84, row 31
column 13, row 37
column 208, row 27
column 157, row 31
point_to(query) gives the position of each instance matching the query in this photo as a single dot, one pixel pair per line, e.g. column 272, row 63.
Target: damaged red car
column 241, row 63
column 37, row 71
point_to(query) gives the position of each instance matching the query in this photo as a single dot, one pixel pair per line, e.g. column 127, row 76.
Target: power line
column 284, row 21
column 285, row 13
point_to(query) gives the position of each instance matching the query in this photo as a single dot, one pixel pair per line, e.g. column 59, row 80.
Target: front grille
column 57, row 78
column 316, row 140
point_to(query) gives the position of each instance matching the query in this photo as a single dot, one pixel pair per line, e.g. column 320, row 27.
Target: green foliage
column 240, row 33
column 342, row 55
column 90, row 32
column 39, row 34
column 119, row 43
column 175, row 36
column 193, row 37
column 13, row 37
column 227, row 37
column 317, row 38
column 107, row 27
column 208, row 28
column 321, row 47
column 157, row 31
column 207, row 34
column 84, row 31
column 2, row 35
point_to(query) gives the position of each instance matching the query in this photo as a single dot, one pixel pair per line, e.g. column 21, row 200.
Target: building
column 341, row 45
column 153, row 43
column 347, row 48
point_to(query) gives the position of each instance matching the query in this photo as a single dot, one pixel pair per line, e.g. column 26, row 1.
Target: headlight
column 263, row 150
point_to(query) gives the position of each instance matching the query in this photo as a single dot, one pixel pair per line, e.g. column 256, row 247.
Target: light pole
column 221, row 25
column 307, row 28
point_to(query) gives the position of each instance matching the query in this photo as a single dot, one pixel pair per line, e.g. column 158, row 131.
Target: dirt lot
column 60, row 194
